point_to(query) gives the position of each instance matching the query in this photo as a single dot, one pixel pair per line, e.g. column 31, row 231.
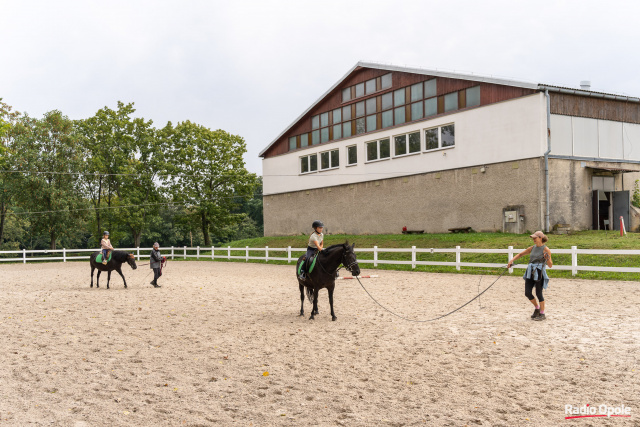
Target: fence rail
column 225, row 253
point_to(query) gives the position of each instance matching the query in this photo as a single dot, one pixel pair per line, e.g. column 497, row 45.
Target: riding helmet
column 317, row 224
column 106, row 232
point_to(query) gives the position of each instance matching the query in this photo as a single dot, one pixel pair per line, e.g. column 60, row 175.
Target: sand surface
column 222, row 344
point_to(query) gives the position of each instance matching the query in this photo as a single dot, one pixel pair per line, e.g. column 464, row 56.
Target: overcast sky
column 252, row 67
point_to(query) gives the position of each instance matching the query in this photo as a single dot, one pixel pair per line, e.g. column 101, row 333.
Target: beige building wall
column 433, row 202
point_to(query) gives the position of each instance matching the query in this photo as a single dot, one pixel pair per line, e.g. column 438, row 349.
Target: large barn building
column 388, row 147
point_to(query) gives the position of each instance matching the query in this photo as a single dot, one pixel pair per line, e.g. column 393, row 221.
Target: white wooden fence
column 293, row 253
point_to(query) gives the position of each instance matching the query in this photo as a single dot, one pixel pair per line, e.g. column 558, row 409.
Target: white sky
column 251, row 67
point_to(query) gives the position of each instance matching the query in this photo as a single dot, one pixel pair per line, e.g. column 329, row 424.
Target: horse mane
column 338, row 245
column 120, row 255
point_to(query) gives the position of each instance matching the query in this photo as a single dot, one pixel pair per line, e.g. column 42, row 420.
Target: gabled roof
column 389, row 67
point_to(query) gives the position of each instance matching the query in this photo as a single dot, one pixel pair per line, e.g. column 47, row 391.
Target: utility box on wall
column 513, row 219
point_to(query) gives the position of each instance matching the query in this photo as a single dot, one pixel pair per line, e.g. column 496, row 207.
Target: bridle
column 343, row 264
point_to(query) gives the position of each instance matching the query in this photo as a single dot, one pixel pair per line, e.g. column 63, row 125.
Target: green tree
column 207, row 173
column 7, row 121
column 49, row 153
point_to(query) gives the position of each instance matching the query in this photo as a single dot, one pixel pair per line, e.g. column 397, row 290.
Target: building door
column 620, row 208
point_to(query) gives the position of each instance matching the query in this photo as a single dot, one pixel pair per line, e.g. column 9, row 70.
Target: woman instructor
column 536, row 274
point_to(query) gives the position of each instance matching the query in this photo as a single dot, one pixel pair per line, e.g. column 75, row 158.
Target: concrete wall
column 433, row 202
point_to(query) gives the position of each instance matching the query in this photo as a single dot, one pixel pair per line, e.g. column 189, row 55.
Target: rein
column 439, row 317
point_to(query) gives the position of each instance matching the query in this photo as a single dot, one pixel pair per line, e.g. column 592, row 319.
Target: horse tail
column 309, row 293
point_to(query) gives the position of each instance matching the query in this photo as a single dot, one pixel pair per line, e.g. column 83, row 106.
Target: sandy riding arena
column 222, row 344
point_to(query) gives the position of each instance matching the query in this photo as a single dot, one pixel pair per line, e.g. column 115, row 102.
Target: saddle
column 99, row 257
column 308, row 263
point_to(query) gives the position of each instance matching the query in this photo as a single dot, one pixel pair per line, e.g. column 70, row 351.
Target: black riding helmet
column 106, row 232
column 316, row 224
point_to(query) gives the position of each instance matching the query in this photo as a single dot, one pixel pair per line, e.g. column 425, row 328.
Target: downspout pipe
column 546, row 161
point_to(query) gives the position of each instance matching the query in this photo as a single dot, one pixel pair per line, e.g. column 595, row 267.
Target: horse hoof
column 334, row 318
column 312, row 318
column 301, row 313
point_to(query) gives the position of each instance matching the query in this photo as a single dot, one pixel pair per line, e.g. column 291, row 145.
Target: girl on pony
column 105, row 244
column 316, row 243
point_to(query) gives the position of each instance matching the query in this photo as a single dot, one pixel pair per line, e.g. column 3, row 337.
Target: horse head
column 131, row 260
column 349, row 259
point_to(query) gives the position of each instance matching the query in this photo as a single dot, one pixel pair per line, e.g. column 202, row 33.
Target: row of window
column 366, row 88
column 390, row 109
column 434, row 138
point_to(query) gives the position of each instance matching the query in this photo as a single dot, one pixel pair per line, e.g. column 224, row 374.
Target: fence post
column 212, row 249
column 138, row 252
column 24, row 256
column 247, row 254
column 509, row 259
column 198, row 253
column 375, row 256
column 266, row 254
column 413, row 257
column 288, row 254
column 229, row 253
column 64, row 255
column 458, row 258
column 185, row 253
column 574, row 260
column 172, row 254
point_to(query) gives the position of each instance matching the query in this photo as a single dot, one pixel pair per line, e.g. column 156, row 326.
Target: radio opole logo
column 588, row 411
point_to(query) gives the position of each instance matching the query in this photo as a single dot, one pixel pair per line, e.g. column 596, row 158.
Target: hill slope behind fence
column 410, row 256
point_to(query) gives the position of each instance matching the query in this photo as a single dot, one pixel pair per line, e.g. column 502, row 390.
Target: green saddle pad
column 313, row 264
column 99, row 257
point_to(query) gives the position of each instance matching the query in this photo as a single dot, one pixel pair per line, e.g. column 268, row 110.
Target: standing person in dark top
column 156, row 263
column 536, row 274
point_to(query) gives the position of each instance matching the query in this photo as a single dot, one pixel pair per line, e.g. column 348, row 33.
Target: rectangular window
column 448, row 135
column 414, row 142
column 371, row 123
column 359, row 90
column 335, row 158
column 346, row 94
column 431, row 107
column 304, row 164
column 304, row 140
column 352, row 155
column 370, row 86
column 387, row 101
column 431, row 139
column 337, row 115
column 371, row 105
column 313, row 162
column 386, row 81
column 372, row 151
column 346, row 129
column 398, row 115
column 400, row 145
column 360, row 126
column 473, row 96
column 315, row 137
column 325, row 163
column 324, row 119
column 416, row 92
column 324, row 134
column 360, row 109
column 292, row 143
column 387, row 119
column 315, row 122
column 346, row 112
column 416, row 111
column 337, row 131
column 451, row 102
column 398, row 97
column 430, row 88
column 385, row 148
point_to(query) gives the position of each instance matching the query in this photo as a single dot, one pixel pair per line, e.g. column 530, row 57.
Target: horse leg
column 301, row 299
column 122, row 275
column 314, row 310
column 97, row 278
column 108, row 278
column 333, row 315
column 92, row 269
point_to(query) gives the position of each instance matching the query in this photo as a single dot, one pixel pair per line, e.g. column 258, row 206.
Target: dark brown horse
column 117, row 259
column 324, row 274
